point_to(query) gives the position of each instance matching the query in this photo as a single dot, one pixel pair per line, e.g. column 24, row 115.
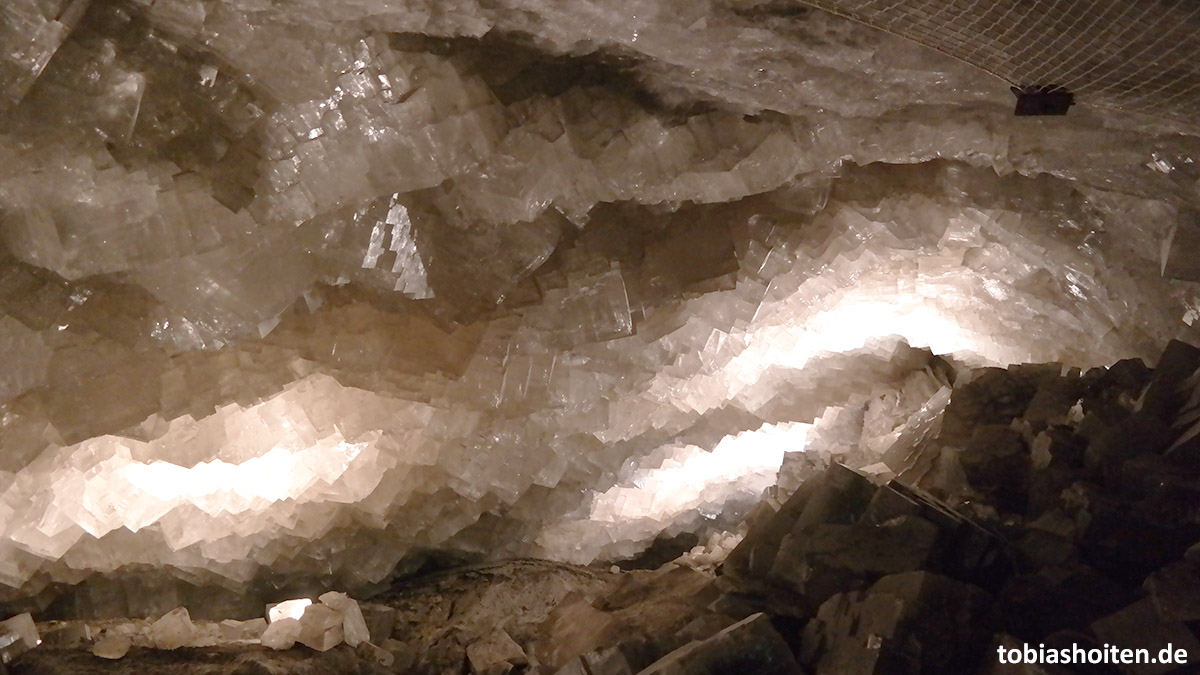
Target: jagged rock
column 243, row 630
column 281, row 634
column 997, row 462
column 1163, row 396
column 376, row 654
column 1108, row 524
column 18, row 635
column 403, row 655
column 112, row 646
column 1137, row 434
column 1139, row 626
column 495, row 654
column 915, row 622
column 65, row 634
column 993, row 396
column 1052, row 402
column 847, row 531
column 354, row 626
column 610, row 661
column 380, row 620
column 174, row 630
column 320, row 628
column 1175, row 590
column 1078, row 594
column 575, row 627
column 749, row 646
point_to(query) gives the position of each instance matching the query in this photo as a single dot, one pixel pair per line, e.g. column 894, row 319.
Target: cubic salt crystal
column 232, row 630
column 354, row 626
column 288, row 609
column 281, row 634
column 377, row 654
column 112, row 646
column 17, row 635
column 320, row 628
column 174, row 630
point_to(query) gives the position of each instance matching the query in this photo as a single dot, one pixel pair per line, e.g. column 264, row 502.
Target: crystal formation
column 317, row 294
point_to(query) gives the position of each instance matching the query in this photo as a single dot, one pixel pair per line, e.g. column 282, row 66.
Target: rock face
column 1080, row 551
column 324, row 294
column 519, row 279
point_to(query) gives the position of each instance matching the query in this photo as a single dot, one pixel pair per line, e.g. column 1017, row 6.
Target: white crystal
column 288, row 609
column 112, row 646
column 174, row 630
column 354, row 626
column 281, row 634
column 320, row 628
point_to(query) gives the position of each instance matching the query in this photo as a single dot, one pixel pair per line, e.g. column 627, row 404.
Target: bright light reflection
column 288, row 609
column 852, row 323
column 279, row 474
column 744, row 463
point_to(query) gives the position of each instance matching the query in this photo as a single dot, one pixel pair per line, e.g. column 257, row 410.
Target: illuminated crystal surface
column 317, row 289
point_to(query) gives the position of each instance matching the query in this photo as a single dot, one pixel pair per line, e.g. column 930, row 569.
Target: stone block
column 320, row 628
column 750, row 646
column 1175, row 592
column 1139, row 626
column 916, row 622
column 18, row 635
column 174, row 630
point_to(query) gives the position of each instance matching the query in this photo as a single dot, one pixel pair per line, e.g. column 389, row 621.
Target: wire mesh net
column 1140, row 56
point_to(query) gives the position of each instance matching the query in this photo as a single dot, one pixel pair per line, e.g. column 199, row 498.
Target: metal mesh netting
column 1135, row 55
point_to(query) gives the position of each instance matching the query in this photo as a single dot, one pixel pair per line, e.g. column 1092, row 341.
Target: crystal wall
column 318, row 288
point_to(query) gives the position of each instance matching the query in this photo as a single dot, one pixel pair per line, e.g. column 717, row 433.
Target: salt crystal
column 17, row 636
column 320, row 628
column 174, row 630
column 112, row 646
column 288, row 609
column 354, row 626
column 281, row 634
column 232, row 630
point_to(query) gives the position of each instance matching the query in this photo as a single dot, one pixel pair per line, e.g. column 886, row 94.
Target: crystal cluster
column 320, row 287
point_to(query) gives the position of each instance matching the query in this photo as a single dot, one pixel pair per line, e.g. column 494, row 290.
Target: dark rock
column 755, row 555
column 1175, row 591
column 380, row 621
column 826, row 559
column 1164, row 494
column 1138, row 434
column 993, row 396
column 966, row 550
column 1127, row 375
column 1053, row 401
column 749, row 647
column 609, row 661
column 1124, row 542
column 1039, row 549
column 996, row 462
column 916, row 622
column 1139, row 626
column 1163, row 396
column 1032, row 606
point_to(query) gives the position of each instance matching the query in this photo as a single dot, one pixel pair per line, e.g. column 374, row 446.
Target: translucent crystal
column 321, row 628
column 281, row 634
column 112, row 646
column 174, row 630
column 354, row 626
column 17, row 635
column 435, row 292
